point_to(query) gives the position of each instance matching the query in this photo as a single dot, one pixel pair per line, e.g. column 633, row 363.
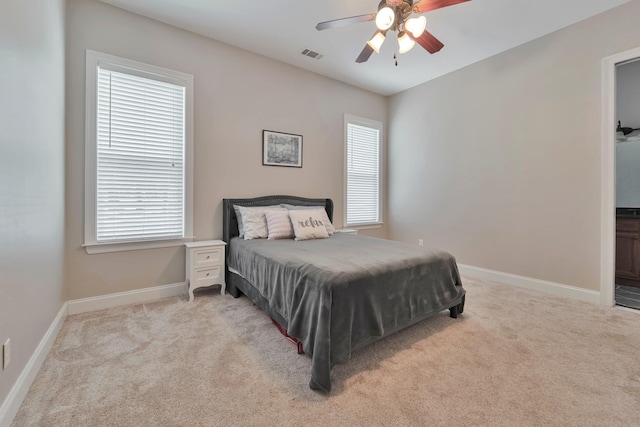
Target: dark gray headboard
column 230, row 223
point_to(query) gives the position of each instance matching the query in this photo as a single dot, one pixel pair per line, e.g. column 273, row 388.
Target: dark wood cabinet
column 628, row 252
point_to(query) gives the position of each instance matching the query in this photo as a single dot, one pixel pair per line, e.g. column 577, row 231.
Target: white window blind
column 140, row 170
column 363, row 173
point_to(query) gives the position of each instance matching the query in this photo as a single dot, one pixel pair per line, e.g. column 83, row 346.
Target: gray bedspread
column 343, row 292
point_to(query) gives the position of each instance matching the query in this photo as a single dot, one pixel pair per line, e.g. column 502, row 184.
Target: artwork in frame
column 281, row 149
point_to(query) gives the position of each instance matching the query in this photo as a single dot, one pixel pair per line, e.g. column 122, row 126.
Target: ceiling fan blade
column 429, row 42
column 365, row 54
column 423, row 6
column 345, row 21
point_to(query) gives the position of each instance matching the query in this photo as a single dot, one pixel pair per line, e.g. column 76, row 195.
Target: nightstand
column 347, row 230
column 205, row 265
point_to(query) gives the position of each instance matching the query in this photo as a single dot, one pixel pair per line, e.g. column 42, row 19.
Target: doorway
column 620, row 230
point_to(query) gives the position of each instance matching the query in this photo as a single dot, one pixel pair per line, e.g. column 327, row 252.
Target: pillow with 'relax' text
column 325, row 218
column 308, row 224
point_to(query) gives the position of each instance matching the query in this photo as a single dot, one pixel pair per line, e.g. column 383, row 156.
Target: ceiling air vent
column 312, row 54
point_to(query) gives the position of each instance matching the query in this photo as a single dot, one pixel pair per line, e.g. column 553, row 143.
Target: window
column 139, row 155
column 362, row 171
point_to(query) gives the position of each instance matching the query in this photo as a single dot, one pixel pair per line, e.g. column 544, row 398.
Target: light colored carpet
column 514, row 358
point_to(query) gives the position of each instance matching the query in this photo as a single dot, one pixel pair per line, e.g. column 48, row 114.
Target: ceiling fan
column 395, row 15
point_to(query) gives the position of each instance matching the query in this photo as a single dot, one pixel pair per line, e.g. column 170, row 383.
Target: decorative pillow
column 279, row 224
column 325, row 218
column 239, row 219
column 254, row 222
column 308, row 224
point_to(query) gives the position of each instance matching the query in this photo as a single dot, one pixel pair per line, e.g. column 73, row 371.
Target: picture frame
column 281, row 149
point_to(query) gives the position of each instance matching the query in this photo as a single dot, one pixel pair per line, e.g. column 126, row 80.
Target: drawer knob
column 207, row 274
column 208, row 257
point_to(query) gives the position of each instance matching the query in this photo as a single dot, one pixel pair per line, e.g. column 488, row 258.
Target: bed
column 337, row 294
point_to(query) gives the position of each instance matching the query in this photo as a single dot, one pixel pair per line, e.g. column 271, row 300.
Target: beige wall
column 499, row 162
column 31, row 176
column 237, row 95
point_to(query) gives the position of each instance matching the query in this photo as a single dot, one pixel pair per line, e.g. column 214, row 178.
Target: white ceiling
column 282, row 29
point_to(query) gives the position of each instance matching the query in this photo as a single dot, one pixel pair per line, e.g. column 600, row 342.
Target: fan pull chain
column 395, row 58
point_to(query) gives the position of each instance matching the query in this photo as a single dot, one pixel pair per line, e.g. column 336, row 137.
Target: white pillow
column 330, row 228
column 254, row 222
column 308, row 224
column 279, row 224
column 239, row 220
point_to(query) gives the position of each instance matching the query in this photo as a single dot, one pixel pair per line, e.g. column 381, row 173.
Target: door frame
column 608, row 175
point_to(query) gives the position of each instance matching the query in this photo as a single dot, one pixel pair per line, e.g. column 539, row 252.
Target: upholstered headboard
column 230, row 222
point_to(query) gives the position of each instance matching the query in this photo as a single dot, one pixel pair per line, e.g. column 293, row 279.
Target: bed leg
column 457, row 310
column 233, row 291
column 453, row 312
column 300, row 349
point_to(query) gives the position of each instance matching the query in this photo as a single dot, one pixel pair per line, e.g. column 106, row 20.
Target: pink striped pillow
column 279, row 225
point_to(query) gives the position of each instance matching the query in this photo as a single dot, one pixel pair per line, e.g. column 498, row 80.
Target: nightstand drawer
column 209, row 256
column 207, row 274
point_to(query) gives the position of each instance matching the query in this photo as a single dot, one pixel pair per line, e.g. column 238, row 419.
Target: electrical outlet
column 6, row 353
column 420, row 242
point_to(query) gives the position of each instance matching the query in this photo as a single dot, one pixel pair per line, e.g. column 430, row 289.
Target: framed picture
column 281, row 149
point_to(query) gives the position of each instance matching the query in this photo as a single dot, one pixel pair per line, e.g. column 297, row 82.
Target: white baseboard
column 18, row 392
column 138, row 296
column 552, row 288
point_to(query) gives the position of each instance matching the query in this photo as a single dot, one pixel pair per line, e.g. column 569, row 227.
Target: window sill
column 101, row 248
column 365, row 226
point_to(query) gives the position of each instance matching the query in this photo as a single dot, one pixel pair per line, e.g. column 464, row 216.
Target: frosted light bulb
column 385, row 18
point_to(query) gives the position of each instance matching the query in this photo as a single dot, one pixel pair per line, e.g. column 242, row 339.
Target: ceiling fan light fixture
column 376, row 41
column 385, row 18
column 405, row 43
column 416, row 26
